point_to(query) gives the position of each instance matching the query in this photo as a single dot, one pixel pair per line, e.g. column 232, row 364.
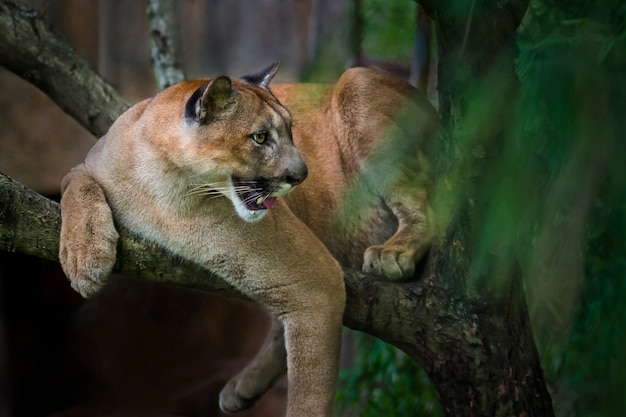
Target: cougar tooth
column 259, row 201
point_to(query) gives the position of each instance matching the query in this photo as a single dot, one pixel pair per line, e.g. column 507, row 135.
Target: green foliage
column 553, row 197
column 388, row 28
column 572, row 64
column 384, row 382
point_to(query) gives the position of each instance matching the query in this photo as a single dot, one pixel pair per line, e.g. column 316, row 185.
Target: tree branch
column 32, row 51
column 31, row 224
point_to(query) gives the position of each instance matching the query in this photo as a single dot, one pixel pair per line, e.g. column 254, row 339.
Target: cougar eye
column 259, row 137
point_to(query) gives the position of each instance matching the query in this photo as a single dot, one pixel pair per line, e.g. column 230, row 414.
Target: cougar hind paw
column 392, row 262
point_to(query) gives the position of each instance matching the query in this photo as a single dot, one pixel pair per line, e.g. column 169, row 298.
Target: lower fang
column 259, row 201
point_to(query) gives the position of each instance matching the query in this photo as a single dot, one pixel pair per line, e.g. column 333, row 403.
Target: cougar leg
column 268, row 366
column 313, row 342
column 88, row 242
column 309, row 336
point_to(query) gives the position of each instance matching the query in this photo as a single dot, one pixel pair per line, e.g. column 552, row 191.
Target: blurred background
column 141, row 349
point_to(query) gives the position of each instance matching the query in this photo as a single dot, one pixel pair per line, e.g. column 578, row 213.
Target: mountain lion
column 211, row 170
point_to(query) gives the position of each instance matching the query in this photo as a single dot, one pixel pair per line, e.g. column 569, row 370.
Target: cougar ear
column 210, row 99
column 263, row 77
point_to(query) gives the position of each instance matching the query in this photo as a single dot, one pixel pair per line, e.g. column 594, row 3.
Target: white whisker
column 219, row 188
column 255, row 198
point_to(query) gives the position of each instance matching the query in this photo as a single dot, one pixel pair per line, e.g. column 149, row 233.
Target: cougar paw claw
column 86, row 287
column 232, row 401
column 391, row 262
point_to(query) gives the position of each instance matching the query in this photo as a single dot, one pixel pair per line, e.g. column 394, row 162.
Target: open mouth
column 254, row 194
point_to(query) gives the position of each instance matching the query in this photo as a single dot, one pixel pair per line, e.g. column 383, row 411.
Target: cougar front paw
column 88, row 264
column 233, row 397
column 393, row 262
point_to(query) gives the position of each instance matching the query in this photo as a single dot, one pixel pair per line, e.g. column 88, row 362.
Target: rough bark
column 476, row 345
column 162, row 15
column 34, row 52
column 485, row 343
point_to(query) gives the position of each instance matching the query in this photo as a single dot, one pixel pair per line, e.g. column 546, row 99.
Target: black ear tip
column 273, row 67
column 262, row 78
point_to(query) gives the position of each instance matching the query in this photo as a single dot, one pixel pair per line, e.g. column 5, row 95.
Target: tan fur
column 363, row 204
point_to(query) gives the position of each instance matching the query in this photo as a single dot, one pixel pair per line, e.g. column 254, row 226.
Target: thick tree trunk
column 470, row 333
column 482, row 357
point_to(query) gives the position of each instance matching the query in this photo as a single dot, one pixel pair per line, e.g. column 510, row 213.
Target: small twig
column 163, row 19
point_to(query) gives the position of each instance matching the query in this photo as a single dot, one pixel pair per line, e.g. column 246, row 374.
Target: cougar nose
column 297, row 174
